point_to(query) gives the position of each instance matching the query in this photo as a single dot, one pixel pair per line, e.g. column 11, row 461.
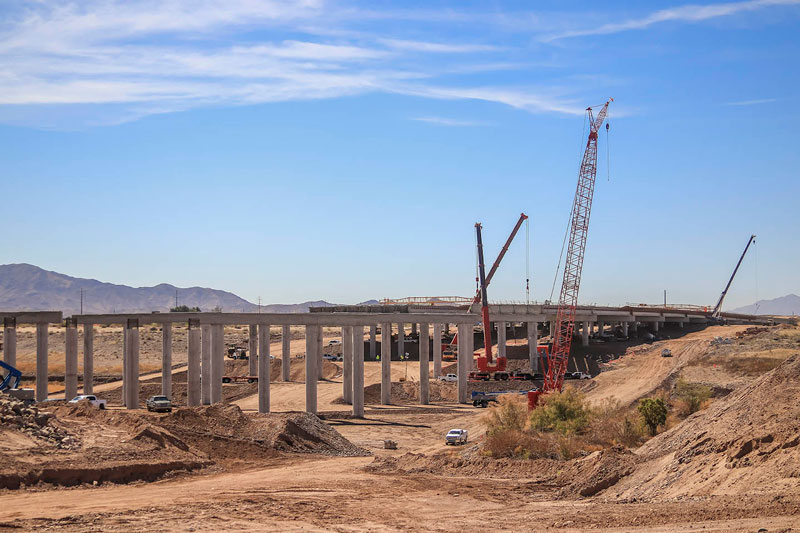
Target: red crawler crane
column 579, row 227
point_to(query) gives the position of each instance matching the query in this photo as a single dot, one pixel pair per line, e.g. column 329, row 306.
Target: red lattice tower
column 579, row 228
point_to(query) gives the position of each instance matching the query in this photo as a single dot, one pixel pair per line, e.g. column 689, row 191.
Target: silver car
column 456, row 436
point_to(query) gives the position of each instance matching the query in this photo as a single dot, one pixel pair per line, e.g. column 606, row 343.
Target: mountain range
column 27, row 287
column 783, row 306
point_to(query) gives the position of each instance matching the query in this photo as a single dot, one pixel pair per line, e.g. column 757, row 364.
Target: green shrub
column 612, row 424
column 691, row 397
column 654, row 413
column 567, row 413
column 509, row 414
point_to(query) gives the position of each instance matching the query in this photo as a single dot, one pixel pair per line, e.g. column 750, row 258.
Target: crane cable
column 572, row 210
column 527, row 261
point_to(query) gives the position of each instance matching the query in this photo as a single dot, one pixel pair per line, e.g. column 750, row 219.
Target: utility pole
column 259, row 305
column 176, row 298
column 665, row 297
column 81, row 300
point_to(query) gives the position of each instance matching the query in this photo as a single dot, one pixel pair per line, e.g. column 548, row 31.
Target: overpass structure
column 206, row 343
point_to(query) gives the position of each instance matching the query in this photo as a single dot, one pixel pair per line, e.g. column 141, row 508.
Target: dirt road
column 642, row 369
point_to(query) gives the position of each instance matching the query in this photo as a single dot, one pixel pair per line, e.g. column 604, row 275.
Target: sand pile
column 224, row 429
column 468, row 463
column 408, row 391
column 748, row 442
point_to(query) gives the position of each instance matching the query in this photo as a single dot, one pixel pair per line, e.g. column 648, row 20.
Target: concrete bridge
column 206, row 344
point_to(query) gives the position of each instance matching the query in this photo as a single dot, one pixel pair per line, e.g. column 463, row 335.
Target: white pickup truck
column 448, row 377
column 91, row 398
column 456, row 437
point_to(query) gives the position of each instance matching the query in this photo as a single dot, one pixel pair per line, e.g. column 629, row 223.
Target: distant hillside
column 29, row 288
column 785, row 305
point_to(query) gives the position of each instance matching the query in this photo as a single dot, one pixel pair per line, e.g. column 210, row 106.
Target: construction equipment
column 573, row 265
column 485, row 362
column 488, row 278
column 13, row 375
column 718, row 308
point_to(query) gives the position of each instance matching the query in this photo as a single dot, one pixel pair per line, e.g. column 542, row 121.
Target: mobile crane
column 573, row 266
column 449, row 349
column 718, row 308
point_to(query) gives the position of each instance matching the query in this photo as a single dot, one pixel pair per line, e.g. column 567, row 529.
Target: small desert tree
column 566, row 412
column 508, row 415
column 654, row 413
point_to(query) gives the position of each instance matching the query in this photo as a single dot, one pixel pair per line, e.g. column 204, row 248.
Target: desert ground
column 732, row 466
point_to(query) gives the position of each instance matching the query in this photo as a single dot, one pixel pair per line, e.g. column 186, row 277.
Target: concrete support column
column 166, row 359
column 386, row 363
column 132, row 387
column 655, row 327
column 373, row 343
column 501, row 340
column 358, row 371
column 437, row 351
column 601, row 328
column 680, row 324
column 217, row 361
column 625, row 328
column 552, row 325
column 347, row 364
column 193, row 373
column 286, row 353
column 263, row 368
column 424, row 363
column 320, row 360
column 10, row 341
column 124, row 362
column 41, row 362
column 311, row 369
column 401, row 340
column 252, row 349
column 205, row 367
column 88, row 358
column 585, row 333
column 533, row 343
column 635, row 327
column 414, row 328
column 71, row 359
column 463, row 362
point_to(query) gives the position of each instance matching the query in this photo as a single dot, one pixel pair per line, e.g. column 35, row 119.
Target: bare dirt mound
column 589, row 475
column 224, row 430
column 77, row 443
column 468, row 463
column 748, row 442
column 408, row 392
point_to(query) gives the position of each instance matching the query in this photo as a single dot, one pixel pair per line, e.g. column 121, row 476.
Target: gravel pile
column 16, row 415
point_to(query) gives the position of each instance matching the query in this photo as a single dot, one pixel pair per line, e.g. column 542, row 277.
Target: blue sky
column 344, row 150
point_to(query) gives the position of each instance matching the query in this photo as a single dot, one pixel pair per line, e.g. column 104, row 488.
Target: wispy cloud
column 686, row 13
column 443, row 48
column 752, row 102
column 443, row 121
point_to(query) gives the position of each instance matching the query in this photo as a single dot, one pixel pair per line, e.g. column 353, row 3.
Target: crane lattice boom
column 579, row 228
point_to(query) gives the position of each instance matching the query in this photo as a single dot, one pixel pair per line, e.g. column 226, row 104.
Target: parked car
column 666, row 352
column 159, row 404
column 581, row 375
column 448, row 377
column 91, row 398
column 456, row 436
column 331, row 357
column 334, row 342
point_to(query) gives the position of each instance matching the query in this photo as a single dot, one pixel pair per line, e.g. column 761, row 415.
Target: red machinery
column 522, row 218
column 485, row 362
column 579, row 227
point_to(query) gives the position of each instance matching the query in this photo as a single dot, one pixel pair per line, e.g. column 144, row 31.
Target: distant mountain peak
column 26, row 287
column 782, row 306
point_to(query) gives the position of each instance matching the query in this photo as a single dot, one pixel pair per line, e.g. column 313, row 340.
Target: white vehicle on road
column 456, row 436
column 91, row 398
column 448, row 377
column 581, row 375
